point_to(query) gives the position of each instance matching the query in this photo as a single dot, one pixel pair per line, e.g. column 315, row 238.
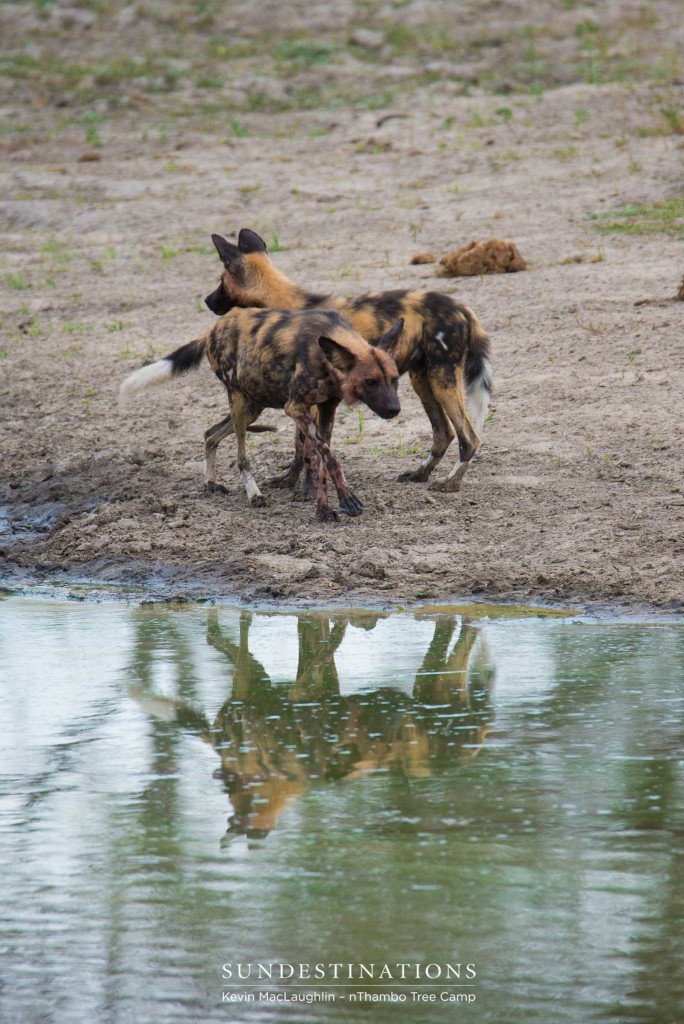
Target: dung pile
column 494, row 256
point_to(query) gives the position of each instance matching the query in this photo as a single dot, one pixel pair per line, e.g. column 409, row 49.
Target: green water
column 183, row 789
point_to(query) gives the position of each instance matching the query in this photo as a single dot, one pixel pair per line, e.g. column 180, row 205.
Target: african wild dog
column 282, row 359
column 443, row 348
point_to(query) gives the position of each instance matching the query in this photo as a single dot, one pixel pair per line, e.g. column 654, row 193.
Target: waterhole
column 213, row 814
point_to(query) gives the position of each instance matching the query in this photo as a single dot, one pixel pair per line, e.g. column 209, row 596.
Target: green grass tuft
column 666, row 217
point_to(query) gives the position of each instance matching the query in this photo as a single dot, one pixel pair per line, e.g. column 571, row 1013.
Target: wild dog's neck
column 315, row 300
column 285, row 294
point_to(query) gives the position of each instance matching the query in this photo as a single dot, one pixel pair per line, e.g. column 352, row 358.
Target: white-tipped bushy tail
column 478, row 393
column 154, row 373
column 185, row 358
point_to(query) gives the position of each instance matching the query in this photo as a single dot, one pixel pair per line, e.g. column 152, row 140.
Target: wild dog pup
column 443, row 347
column 281, row 359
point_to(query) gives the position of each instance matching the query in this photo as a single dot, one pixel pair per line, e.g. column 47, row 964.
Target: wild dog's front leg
column 326, row 421
column 243, row 415
column 324, row 513
column 442, row 430
column 349, row 503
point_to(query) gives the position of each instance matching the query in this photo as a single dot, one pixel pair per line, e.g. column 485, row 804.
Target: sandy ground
column 111, row 188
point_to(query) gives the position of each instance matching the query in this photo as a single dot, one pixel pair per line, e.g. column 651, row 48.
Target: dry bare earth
column 527, row 126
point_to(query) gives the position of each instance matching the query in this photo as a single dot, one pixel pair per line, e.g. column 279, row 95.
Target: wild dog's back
column 260, row 352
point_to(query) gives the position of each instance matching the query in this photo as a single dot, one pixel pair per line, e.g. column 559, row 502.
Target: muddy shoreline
column 164, row 585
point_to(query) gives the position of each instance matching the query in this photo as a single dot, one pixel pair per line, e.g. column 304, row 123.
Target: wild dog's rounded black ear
column 249, row 241
column 230, row 255
column 391, row 337
column 340, row 357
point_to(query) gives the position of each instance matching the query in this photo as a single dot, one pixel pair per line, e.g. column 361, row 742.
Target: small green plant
column 176, row 167
column 505, row 113
column 168, row 252
column 72, row 327
column 16, row 281
column 674, row 119
column 581, row 115
column 586, row 29
column 90, row 120
column 116, row 325
column 305, row 53
column 276, row 245
column 566, row 152
column 57, row 254
column 209, row 82
column 238, row 129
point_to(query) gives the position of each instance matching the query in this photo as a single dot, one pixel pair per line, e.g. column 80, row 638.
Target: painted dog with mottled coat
column 443, row 348
column 296, row 361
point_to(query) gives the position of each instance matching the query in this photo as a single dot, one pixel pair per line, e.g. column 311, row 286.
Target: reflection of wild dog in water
column 274, row 740
column 280, row 359
column 443, row 348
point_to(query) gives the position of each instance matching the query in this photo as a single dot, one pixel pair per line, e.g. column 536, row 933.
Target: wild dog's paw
column 287, row 479
column 414, row 476
column 351, row 505
column 258, row 501
column 325, row 514
column 305, row 488
column 452, row 483
column 214, row 488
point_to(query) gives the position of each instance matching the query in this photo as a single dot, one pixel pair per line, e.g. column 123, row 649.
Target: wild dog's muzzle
column 218, row 302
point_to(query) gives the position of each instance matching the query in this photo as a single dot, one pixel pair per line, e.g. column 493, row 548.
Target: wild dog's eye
column 371, row 382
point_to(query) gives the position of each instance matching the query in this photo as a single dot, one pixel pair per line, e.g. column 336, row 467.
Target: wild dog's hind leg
column 293, row 472
column 447, row 387
column 442, row 431
column 243, row 414
column 212, row 439
column 307, row 486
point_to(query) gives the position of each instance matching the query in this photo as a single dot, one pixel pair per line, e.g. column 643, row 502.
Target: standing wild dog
column 443, row 348
column 281, row 359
